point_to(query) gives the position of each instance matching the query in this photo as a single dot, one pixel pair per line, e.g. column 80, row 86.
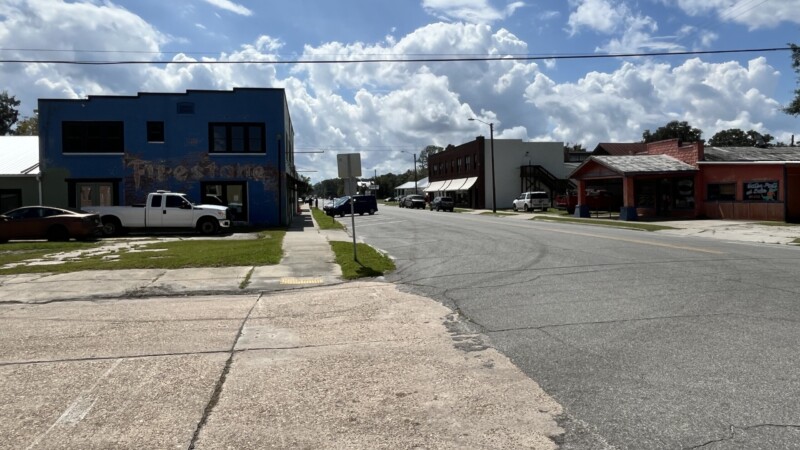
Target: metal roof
column 421, row 184
column 620, row 148
column 630, row 165
column 19, row 155
column 752, row 154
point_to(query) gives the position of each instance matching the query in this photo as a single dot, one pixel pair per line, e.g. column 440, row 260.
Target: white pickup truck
column 163, row 209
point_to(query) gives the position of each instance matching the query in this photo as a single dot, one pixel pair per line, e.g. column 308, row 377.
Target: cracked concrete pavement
column 297, row 358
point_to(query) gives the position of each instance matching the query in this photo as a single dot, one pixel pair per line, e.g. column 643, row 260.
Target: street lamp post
column 491, row 140
column 415, row 174
column 415, row 170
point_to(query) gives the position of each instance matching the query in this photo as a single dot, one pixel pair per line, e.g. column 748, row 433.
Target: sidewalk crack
column 212, row 402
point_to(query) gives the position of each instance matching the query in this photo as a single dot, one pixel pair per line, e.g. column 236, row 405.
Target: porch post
column 582, row 209
column 628, row 210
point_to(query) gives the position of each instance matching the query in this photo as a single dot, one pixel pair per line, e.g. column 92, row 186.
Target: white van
column 528, row 201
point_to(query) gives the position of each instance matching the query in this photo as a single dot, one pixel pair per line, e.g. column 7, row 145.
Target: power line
column 401, row 60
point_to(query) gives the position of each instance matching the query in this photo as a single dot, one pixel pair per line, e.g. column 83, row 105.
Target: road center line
column 634, row 241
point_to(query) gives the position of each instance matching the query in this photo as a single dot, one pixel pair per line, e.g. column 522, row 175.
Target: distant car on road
column 413, row 201
column 46, row 222
column 442, row 204
column 361, row 204
column 528, row 201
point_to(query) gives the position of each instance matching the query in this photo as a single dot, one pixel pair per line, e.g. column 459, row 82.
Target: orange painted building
column 673, row 180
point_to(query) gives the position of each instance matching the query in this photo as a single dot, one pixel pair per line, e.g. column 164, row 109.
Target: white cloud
column 753, row 13
column 633, row 33
column 228, row 5
column 598, row 15
column 472, row 11
column 382, row 108
column 620, row 105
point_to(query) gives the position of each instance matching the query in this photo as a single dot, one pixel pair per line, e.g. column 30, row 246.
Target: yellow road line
column 634, row 241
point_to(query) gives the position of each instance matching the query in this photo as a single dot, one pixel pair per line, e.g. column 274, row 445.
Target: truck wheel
column 57, row 233
column 111, row 226
column 527, row 208
column 208, row 226
column 371, row 211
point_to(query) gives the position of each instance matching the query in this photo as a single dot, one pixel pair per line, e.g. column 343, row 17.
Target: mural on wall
column 766, row 191
column 144, row 176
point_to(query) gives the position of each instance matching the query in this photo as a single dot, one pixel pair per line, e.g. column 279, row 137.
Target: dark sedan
column 46, row 222
column 413, row 201
column 442, row 204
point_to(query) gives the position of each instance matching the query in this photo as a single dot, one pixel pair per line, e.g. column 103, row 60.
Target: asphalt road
column 646, row 340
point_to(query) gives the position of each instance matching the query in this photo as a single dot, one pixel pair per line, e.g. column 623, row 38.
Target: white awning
column 455, row 185
column 469, row 183
column 435, row 186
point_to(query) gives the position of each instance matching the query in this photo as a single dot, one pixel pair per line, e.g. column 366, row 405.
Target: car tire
column 208, row 227
column 527, row 208
column 111, row 226
column 514, row 207
column 57, row 233
column 371, row 211
column 361, row 213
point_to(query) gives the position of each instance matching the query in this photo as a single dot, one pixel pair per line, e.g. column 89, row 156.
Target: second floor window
column 236, row 138
column 155, row 131
column 93, row 137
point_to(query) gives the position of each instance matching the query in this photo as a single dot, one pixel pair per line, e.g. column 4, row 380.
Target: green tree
column 673, row 130
column 422, row 160
column 573, row 147
column 793, row 108
column 8, row 112
column 28, row 126
column 734, row 137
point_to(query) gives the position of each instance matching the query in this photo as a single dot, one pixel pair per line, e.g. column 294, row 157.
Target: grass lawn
column 324, row 221
column 371, row 263
column 265, row 250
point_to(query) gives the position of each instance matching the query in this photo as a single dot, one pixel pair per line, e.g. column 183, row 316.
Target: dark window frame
column 239, row 138
column 155, row 131
column 98, row 136
column 72, row 194
column 713, row 192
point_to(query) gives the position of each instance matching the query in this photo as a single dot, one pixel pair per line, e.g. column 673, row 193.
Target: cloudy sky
column 389, row 110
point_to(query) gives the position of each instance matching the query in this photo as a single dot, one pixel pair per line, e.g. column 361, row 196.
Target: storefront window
column 721, row 191
column 760, row 191
column 684, row 193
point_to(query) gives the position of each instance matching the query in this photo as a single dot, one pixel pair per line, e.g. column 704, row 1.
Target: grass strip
column 371, row 263
column 265, row 250
column 324, row 221
column 605, row 223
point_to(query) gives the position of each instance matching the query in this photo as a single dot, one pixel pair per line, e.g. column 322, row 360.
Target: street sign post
column 349, row 165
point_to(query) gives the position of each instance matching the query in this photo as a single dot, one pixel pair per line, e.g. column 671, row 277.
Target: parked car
column 361, row 204
column 400, row 201
column 413, row 201
column 528, row 201
column 442, row 204
column 46, row 222
column 163, row 210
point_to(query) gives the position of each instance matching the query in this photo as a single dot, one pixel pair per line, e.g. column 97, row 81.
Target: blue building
column 226, row 147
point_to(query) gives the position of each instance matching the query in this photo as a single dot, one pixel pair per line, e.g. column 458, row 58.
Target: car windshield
column 340, row 201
